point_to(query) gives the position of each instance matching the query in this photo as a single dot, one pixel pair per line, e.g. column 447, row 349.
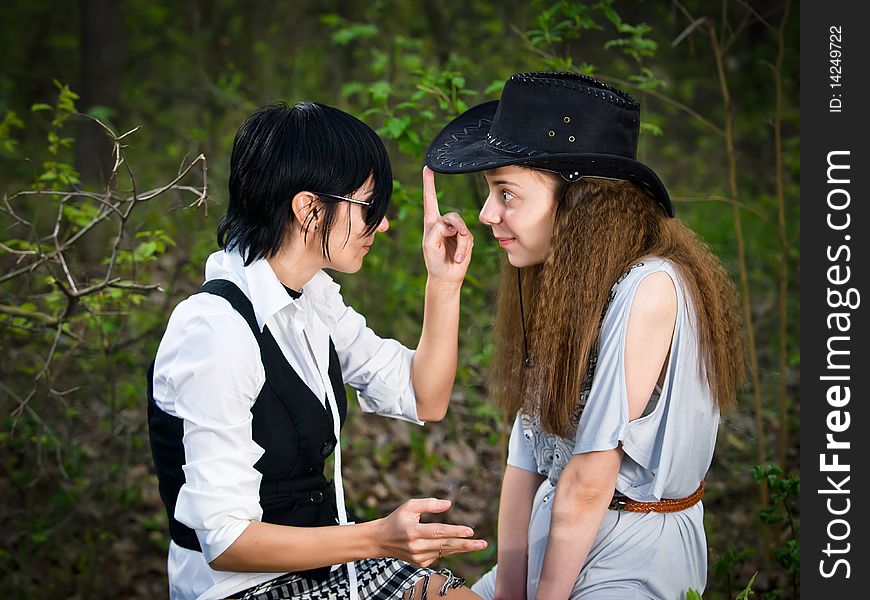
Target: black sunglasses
column 345, row 198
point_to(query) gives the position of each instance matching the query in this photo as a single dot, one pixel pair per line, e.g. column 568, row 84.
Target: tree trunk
column 100, row 84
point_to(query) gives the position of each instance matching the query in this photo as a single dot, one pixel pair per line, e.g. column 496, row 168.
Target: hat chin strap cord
column 527, row 362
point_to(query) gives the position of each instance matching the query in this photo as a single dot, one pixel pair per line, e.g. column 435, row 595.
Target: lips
column 505, row 241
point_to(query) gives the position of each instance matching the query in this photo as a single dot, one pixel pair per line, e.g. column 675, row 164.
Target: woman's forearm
column 264, row 547
column 583, row 494
column 572, row 532
column 514, row 513
column 434, row 366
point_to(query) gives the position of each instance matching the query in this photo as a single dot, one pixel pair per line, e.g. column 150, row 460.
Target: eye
column 506, row 196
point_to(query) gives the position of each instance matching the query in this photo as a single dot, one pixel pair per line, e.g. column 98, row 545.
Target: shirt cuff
column 215, row 542
column 396, row 401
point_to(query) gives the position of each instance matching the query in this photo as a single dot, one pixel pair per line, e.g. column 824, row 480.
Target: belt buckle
column 617, row 503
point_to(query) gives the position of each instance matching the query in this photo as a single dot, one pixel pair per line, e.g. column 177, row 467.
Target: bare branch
column 11, row 212
column 202, row 200
column 724, row 199
column 75, row 193
column 106, row 129
column 63, row 393
column 47, row 253
column 29, row 314
column 66, row 244
column 104, row 215
column 669, row 100
column 684, row 10
column 742, row 263
column 6, row 248
column 22, row 404
column 97, row 287
column 51, row 352
column 135, row 129
column 156, row 287
column 688, row 30
column 157, row 191
column 66, row 271
column 756, row 14
column 744, row 23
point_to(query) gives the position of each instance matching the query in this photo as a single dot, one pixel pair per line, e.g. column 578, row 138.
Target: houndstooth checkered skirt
column 378, row 578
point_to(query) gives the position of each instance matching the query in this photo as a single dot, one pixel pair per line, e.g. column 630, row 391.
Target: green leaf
column 380, row 91
column 611, row 15
column 146, row 249
column 747, row 591
column 40, row 106
column 352, row 88
column 693, row 594
column 494, row 88
column 331, row 20
column 353, row 32
column 650, row 128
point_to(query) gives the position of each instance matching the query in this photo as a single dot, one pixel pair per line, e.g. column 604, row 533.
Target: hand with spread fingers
column 403, row 536
column 447, row 242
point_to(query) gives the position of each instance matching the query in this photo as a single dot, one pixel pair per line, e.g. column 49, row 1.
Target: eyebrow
column 505, row 182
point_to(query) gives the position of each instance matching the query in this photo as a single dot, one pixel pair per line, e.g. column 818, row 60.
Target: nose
column 383, row 225
column 490, row 214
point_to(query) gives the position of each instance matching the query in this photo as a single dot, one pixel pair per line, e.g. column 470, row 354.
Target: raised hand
column 403, row 536
column 447, row 242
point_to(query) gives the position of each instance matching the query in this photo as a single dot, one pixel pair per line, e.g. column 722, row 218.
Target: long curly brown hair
column 601, row 228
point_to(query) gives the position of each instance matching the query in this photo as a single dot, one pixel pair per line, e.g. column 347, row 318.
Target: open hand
column 403, row 536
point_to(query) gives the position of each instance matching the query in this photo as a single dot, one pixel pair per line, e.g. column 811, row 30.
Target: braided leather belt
column 665, row 505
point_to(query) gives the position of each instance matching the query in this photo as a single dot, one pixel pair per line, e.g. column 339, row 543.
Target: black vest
column 289, row 423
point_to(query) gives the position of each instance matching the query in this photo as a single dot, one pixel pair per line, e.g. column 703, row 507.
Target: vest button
column 326, row 449
column 316, row 496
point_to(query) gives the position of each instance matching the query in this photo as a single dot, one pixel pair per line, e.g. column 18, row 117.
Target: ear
column 305, row 207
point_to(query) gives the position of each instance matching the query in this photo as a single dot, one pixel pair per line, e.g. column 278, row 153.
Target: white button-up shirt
column 208, row 371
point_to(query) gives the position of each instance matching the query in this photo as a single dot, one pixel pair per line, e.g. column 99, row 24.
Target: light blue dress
column 667, row 453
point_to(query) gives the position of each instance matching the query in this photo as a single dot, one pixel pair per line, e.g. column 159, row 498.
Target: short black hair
column 282, row 150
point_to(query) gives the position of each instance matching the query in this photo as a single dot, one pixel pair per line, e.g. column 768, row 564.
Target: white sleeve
column 213, row 369
column 520, row 453
column 379, row 369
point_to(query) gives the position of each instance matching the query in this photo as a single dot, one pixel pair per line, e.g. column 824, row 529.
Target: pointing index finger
column 430, row 198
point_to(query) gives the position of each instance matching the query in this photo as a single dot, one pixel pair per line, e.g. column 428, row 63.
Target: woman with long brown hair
column 618, row 341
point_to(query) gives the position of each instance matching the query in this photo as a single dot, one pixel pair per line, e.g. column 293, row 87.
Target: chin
column 523, row 261
column 349, row 266
column 518, row 261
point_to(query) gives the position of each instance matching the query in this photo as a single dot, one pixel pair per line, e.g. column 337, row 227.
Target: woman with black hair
column 247, row 396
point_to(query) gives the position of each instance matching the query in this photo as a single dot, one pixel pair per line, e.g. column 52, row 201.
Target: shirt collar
column 260, row 284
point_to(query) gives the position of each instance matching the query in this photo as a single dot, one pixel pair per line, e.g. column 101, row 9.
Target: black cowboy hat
column 569, row 123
